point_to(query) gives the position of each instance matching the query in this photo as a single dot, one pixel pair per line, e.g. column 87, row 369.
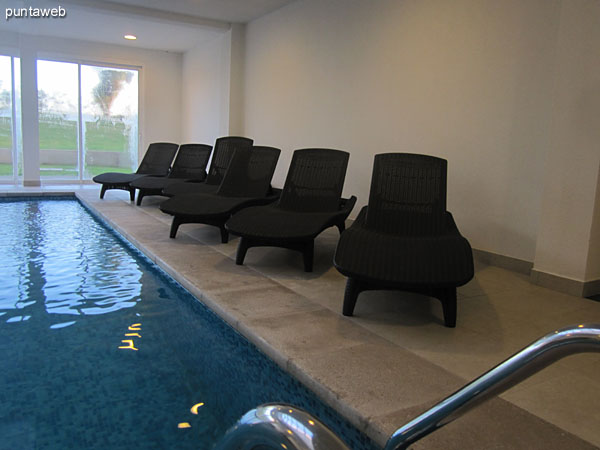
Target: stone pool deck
column 395, row 358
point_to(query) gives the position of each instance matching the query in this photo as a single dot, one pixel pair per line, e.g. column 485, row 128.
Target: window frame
column 15, row 125
column 53, row 57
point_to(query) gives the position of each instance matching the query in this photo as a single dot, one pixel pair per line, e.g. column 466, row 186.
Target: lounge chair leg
column 103, row 191
column 350, row 296
column 308, row 253
column 140, row 197
column 448, row 299
column 224, row 235
column 131, row 194
column 174, row 227
column 241, row 251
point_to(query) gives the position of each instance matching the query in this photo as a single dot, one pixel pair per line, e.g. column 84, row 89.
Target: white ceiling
column 170, row 25
column 226, row 10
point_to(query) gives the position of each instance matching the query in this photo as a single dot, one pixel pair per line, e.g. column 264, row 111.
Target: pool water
column 101, row 350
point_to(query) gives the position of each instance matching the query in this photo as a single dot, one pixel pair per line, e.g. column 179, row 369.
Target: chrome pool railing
column 533, row 358
column 281, row 427
column 276, row 426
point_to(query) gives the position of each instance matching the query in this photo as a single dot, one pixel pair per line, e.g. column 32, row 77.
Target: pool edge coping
column 364, row 424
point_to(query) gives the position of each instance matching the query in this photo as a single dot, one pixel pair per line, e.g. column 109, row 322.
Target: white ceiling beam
column 148, row 13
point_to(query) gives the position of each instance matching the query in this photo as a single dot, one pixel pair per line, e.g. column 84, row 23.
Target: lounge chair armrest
column 275, row 191
column 362, row 215
column 199, row 178
column 272, row 196
column 450, row 225
column 346, row 204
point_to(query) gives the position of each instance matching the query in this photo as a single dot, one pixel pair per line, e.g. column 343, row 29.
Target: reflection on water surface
column 55, row 261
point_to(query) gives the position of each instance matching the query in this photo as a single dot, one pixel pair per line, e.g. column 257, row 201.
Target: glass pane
column 109, row 99
column 58, row 95
column 6, row 139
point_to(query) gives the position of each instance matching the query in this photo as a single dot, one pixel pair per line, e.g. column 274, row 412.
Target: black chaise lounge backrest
column 250, row 172
column 315, row 180
column 225, row 147
column 408, row 194
column 158, row 158
column 191, row 161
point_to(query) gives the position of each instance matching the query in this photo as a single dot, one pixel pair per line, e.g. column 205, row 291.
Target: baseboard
column 591, row 288
column 544, row 279
column 506, row 262
column 566, row 285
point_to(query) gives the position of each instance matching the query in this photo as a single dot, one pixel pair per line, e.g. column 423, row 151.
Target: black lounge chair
column 246, row 183
column 405, row 239
column 156, row 161
column 190, row 164
column 310, row 202
column 224, row 149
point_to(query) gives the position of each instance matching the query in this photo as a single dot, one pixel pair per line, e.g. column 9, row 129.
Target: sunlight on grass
column 5, row 169
column 5, row 133
column 62, row 135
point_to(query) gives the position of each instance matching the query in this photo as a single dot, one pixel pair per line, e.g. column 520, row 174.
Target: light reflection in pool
column 57, row 271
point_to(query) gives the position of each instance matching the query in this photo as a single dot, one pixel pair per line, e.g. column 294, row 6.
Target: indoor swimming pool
column 100, row 349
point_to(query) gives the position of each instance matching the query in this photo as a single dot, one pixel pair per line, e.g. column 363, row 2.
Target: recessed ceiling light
column 130, row 37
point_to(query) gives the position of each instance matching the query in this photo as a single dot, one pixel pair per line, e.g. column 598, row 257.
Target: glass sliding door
column 109, row 101
column 10, row 119
column 58, row 108
column 88, row 120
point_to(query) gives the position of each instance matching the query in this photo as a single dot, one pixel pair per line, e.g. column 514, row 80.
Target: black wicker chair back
column 158, row 158
column 408, row 194
column 315, row 180
column 225, row 147
column 250, row 172
column 191, row 161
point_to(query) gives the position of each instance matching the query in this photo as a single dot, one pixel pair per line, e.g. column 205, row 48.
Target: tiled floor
column 394, row 357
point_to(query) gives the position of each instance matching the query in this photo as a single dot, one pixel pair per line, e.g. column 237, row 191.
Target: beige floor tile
column 565, row 400
column 377, row 378
column 219, row 273
column 326, row 289
column 493, row 425
column 264, row 301
column 310, row 333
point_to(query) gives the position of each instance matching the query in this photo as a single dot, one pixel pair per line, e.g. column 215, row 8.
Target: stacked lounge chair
column 246, row 183
column 221, row 157
column 405, row 239
column 189, row 165
column 310, row 202
column 156, row 162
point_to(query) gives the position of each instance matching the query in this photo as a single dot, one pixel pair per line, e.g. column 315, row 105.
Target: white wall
column 593, row 261
column 201, row 92
column 569, row 236
column 236, row 79
column 160, row 78
column 467, row 80
column 211, row 88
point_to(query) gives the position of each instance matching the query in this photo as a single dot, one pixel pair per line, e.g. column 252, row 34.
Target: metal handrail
column 533, row 358
column 280, row 426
